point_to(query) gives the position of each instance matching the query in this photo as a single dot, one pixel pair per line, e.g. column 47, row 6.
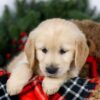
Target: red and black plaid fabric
column 74, row 89
column 77, row 89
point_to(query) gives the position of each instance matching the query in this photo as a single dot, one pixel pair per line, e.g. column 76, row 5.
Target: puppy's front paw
column 50, row 87
column 14, row 87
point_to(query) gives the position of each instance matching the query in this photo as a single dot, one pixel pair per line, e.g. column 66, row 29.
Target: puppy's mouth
column 51, row 75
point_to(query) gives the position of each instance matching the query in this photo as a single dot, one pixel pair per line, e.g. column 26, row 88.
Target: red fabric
column 93, row 61
column 2, row 72
column 56, row 96
column 33, row 91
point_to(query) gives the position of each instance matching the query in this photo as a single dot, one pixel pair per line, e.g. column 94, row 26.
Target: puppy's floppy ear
column 30, row 50
column 81, row 51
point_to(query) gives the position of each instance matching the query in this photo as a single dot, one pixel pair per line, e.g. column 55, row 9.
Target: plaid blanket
column 3, row 93
column 74, row 89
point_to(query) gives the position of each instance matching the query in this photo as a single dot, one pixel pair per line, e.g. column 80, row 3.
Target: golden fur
column 54, row 35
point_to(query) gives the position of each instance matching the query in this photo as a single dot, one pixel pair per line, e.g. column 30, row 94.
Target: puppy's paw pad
column 13, row 88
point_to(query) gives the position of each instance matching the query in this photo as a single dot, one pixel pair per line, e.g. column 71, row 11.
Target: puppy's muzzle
column 51, row 69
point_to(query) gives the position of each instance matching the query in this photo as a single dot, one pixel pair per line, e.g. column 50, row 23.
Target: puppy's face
column 56, row 43
column 55, row 52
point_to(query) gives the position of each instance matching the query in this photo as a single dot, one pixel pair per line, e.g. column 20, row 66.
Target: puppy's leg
column 52, row 85
column 18, row 79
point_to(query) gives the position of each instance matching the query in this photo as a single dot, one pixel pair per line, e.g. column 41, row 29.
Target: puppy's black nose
column 51, row 69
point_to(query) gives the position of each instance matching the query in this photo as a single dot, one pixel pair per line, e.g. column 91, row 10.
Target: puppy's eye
column 44, row 50
column 62, row 51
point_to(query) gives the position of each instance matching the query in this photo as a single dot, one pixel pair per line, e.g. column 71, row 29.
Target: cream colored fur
column 54, row 35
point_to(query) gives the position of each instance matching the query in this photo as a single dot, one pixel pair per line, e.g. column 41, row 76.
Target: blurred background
column 19, row 17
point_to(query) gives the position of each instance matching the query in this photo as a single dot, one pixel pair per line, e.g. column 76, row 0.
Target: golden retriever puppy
column 56, row 49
